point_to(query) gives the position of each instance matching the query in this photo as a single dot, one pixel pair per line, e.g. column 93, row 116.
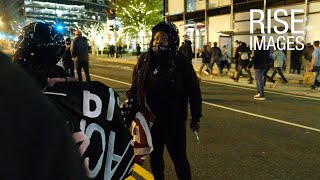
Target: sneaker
column 260, row 98
column 206, row 72
column 257, row 95
column 250, row 82
column 284, row 82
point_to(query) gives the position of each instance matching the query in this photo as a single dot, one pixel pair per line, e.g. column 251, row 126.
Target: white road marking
column 270, row 92
column 123, row 67
column 101, row 77
column 263, row 117
column 232, row 109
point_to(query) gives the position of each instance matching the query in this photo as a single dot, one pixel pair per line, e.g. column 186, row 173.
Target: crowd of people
column 273, row 59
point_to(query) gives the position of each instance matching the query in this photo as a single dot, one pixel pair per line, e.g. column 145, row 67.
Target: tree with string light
column 138, row 17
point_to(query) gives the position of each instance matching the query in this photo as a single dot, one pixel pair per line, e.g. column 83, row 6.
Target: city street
column 241, row 138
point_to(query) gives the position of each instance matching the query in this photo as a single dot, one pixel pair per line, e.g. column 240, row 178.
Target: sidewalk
column 294, row 86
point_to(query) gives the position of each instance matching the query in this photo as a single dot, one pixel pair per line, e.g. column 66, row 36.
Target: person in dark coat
column 67, row 61
column 165, row 80
column 79, row 50
column 138, row 50
column 186, row 48
column 260, row 62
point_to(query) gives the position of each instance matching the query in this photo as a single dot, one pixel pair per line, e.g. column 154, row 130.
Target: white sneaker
column 257, row 95
column 261, row 98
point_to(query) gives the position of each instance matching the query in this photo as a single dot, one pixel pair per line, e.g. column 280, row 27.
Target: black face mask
column 161, row 50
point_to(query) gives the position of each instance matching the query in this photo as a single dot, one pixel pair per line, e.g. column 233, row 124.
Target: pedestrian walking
column 119, row 49
column 307, row 56
column 296, row 59
column 205, row 55
column 224, row 59
column 186, row 48
column 244, row 56
column 165, row 80
column 237, row 56
column 279, row 60
column 260, row 61
column 67, row 60
column 79, row 50
column 315, row 64
column 215, row 56
column 138, row 50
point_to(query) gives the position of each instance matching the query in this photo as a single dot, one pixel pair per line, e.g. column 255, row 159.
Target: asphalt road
column 241, row 138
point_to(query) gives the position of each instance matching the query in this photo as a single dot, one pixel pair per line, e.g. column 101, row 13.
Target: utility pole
column 115, row 32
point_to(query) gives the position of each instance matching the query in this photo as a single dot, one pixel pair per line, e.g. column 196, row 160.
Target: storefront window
column 175, row 7
column 218, row 3
column 195, row 5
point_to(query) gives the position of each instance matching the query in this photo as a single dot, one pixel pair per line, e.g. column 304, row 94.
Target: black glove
column 129, row 108
column 195, row 125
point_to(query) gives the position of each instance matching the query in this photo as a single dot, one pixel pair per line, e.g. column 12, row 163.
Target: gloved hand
column 129, row 108
column 195, row 125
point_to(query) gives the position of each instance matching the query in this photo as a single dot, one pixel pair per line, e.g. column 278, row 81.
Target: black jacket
column 187, row 49
column 260, row 59
column 168, row 94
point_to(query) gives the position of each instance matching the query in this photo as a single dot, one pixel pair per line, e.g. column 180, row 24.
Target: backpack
column 244, row 56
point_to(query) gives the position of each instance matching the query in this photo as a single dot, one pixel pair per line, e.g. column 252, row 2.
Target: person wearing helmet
column 38, row 51
column 79, row 50
column 90, row 108
column 165, row 81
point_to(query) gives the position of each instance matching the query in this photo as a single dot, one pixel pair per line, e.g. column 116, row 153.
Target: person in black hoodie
column 260, row 62
column 165, row 80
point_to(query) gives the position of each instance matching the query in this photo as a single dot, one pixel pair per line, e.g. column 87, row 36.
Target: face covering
column 161, row 50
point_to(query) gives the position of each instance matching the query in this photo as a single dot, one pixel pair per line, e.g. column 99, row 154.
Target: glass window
column 218, row 3
column 175, row 7
column 194, row 5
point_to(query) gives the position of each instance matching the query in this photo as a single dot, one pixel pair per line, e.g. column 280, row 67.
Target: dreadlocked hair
column 144, row 66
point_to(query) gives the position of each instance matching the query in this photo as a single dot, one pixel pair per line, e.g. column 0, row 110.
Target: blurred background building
column 225, row 21
column 66, row 14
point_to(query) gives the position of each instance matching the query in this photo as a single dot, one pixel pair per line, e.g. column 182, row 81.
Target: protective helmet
column 40, row 44
column 169, row 28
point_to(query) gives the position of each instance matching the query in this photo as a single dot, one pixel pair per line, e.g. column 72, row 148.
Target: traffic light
column 112, row 14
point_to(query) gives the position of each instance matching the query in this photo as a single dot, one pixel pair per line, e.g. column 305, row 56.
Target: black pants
column 222, row 64
column 278, row 70
column 175, row 140
column 85, row 66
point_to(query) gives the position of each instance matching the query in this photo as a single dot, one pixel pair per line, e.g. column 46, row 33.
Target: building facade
column 225, row 21
column 67, row 14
